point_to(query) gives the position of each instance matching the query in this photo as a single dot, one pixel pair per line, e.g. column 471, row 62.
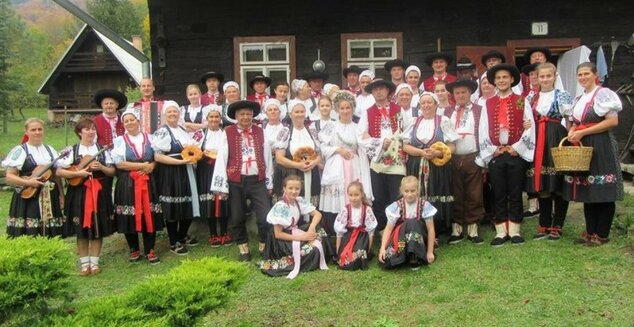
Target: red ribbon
column 142, row 201
column 395, row 232
column 346, row 254
column 217, row 206
column 93, row 187
column 541, row 143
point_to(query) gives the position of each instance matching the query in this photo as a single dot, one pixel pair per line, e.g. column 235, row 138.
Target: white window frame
column 370, row 62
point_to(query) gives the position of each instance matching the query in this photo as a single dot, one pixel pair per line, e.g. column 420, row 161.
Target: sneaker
column 135, row 256
column 189, row 241
column 595, row 240
column 476, row 239
column 245, row 257
column 499, row 241
column 542, row 233
column 215, row 241
column 584, row 239
column 178, row 249
column 455, row 239
column 517, row 240
column 555, row 234
column 152, row 258
column 530, row 213
column 227, row 240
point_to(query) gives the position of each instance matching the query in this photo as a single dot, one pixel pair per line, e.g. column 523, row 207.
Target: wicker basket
column 571, row 158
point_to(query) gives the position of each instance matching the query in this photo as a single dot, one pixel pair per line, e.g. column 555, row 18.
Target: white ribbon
column 297, row 258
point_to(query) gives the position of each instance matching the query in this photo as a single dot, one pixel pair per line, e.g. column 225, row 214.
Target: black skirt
column 412, row 241
column 174, row 192
column 103, row 224
column 25, row 218
column 204, row 175
column 360, row 250
column 551, row 181
column 439, row 190
column 124, row 205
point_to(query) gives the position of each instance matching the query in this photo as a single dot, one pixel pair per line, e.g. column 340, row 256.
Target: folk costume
column 354, row 226
column 150, row 113
column 260, row 98
column 108, row 128
column 41, row 214
column 210, row 97
column 197, row 115
column 429, row 84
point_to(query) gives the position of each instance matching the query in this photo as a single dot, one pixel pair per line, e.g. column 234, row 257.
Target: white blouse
column 271, row 132
column 394, row 212
column 161, row 139
column 82, row 151
column 212, row 140
column 606, row 101
column 341, row 222
column 118, row 151
column 426, row 129
column 39, row 154
column 301, row 138
column 288, row 214
column 192, row 112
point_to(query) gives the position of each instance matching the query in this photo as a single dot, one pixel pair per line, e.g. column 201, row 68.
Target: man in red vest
column 351, row 74
column 212, row 80
column 438, row 61
column 244, row 170
column 109, row 124
column 506, row 147
column 259, row 84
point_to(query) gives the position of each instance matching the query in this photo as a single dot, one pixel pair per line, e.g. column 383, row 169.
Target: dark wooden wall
column 199, row 34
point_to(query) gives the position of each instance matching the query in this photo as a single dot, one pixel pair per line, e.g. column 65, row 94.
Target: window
column 272, row 56
column 370, row 50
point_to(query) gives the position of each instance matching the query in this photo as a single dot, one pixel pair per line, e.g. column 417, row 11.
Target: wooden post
column 65, row 124
column 438, row 47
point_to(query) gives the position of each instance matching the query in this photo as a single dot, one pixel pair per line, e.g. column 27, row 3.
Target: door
column 474, row 53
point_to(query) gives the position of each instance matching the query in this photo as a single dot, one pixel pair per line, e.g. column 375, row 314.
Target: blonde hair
column 547, row 65
column 358, row 185
column 407, row 180
column 32, row 120
column 192, row 86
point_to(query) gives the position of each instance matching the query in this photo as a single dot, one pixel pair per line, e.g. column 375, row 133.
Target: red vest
column 515, row 118
column 104, row 130
column 430, row 82
column 205, row 99
column 374, row 119
column 234, row 143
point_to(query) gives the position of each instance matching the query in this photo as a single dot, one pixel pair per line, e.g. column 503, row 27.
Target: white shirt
column 341, row 222
column 465, row 128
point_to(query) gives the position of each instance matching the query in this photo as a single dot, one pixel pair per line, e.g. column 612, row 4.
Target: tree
column 120, row 15
column 5, row 15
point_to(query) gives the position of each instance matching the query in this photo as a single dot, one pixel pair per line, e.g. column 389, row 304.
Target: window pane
column 276, row 52
column 278, row 75
column 252, row 53
column 359, row 49
column 383, row 49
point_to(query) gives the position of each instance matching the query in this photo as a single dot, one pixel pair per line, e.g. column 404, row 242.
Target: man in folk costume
column 145, row 104
column 244, row 170
column 396, row 69
column 351, row 74
column 506, row 147
column 109, row 124
column 316, row 81
column 465, row 69
column 212, row 80
column 467, row 175
column 259, row 84
column 382, row 124
column 536, row 55
column 438, row 61
column 490, row 59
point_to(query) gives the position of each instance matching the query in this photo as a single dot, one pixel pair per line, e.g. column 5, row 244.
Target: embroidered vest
column 234, row 163
column 104, row 130
column 515, row 118
column 374, row 119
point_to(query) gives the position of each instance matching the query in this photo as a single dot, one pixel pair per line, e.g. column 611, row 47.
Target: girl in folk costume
column 192, row 116
column 342, row 146
column 406, row 238
column 301, row 89
column 213, row 207
column 533, row 88
column 41, row 213
column 176, row 178
column 326, row 115
column 297, row 153
column 136, row 205
column 436, row 184
column 88, row 203
column 231, row 91
column 444, row 101
column 364, row 100
column 412, row 78
column 506, row 147
column 354, row 227
column 549, row 106
column 109, row 124
column 294, row 244
column 409, row 113
column 594, row 115
column 212, row 80
column 486, row 90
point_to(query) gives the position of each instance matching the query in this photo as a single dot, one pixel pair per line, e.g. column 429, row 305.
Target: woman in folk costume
column 594, row 115
column 136, row 205
column 365, row 99
column 409, row 113
column 297, row 153
column 440, row 90
column 301, row 90
column 41, row 213
column 280, row 93
column 88, row 204
column 342, row 147
column 506, row 147
column 354, row 227
column 412, row 78
column 176, row 178
column 409, row 235
column 213, row 207
column 272, row 124
column 549, row 106
column 192, row 116
column 294, row 244
column 436, row 184
column 231, row 91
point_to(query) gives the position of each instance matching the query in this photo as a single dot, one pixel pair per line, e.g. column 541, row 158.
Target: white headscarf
column 412, row 68
column 269, row 102
column 228, row 84
column 432, row 95
column 131, row 110
column 402, row 86
column 168, row 104
column 298, row 84
column 367, row 73
column 293, row 103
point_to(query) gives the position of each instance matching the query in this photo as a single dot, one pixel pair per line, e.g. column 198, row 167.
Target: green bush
column 178, row 298
column 33, row 275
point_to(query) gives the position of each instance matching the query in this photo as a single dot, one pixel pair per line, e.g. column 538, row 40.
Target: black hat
column 315, row 75
column 396, row 63
column 262, row 78
column 438, row 55
column 464, row 63
column 492, row 54
column 207, row 75
column 352, row 69
column 526, row 69
column 471, row 84
column 243, row 104
column 106, row 93
column 530, row 51
column 509, row 68
column 380, row 82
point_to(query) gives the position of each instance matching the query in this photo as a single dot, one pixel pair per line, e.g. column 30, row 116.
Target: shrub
column 33, row 275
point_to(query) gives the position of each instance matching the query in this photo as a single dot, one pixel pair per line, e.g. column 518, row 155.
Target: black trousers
column 177, row 230
column 599, row 217
column 507, row 175
column 386, row 189
column 249, row 188
column 149, row 239
column 550, row 218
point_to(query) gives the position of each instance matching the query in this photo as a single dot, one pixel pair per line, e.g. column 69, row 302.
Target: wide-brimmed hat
column 114, row 94
column 315, row 75
column 429, row 59
column 243, row 104
column 509, row 68
column 464, row 63
column 492, row 54
column 526, row 69
column 395, row 63
column 207, row 75
column 471, row 84
column 530, row 51
column 262, row 78
column 380, row 82
column 352, row 69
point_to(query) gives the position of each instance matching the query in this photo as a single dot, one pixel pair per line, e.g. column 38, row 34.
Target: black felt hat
column 243, row 104
column 352, row 69
column 530, row 51
column 262, row 78
column 395, row 63
column 526, row 69
column 471, row 84
column 205, row 76
column 492, row 54
column 429, row 59
column 380, row 82
column 464, row 63
column 509, row 68
column 315, row 75
column 114, row 94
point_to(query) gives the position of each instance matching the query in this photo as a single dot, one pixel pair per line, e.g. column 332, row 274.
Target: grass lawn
column 540, row 283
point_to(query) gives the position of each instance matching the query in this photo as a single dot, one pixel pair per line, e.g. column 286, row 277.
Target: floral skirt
column 411, row 238
column 25, row 218
column 124, row 210
column 359, row 255
column 209, row 208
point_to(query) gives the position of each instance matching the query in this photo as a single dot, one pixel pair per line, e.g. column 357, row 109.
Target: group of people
column 328, row 168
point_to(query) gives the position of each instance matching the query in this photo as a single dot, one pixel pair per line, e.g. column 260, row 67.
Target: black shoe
column 178, row 249
column 152, row 258
column 455, row 239
column 517, row 239
column 499, row 241
column 245, row 257
column 476, row 239
column 529, row 214
column 189, row 241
